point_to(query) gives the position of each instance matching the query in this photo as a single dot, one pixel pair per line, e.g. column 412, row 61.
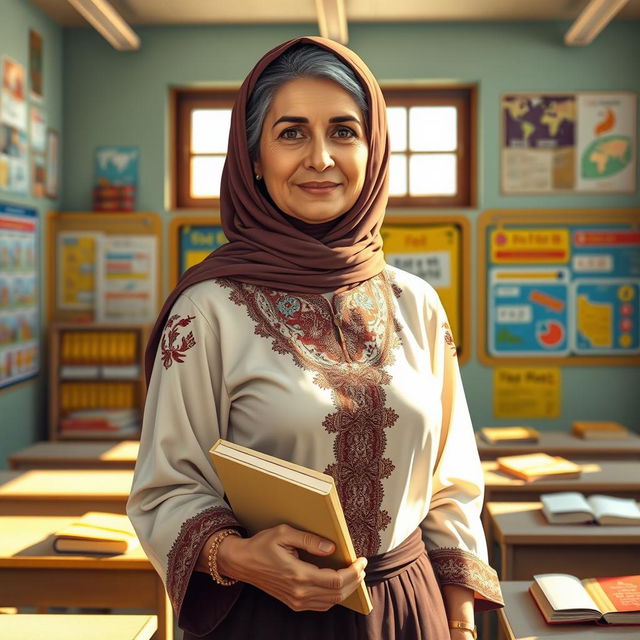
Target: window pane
column 398, row 175
column 432, row 174
column 210, row 130
column 433, row 128
column 397, row 119
column 206, row 172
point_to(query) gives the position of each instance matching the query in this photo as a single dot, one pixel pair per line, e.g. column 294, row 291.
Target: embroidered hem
column 187, row 546
column 463, row 568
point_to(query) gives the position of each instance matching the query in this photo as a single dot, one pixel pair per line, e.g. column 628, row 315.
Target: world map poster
column 583, row 142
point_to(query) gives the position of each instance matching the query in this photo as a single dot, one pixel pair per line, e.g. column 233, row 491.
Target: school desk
column 32, row 575
column 58, row 454
column 63, row 493
column 564, row 443
column 27, row 626
column 521, row 620
column 529, row 544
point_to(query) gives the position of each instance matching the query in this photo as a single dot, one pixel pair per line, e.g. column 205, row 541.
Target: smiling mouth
column 318, row 188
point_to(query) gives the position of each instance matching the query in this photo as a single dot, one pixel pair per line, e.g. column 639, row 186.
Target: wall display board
column 433, row 248
column 19, row 297
column 568, row 142
column 104, row 267
column 559, row 286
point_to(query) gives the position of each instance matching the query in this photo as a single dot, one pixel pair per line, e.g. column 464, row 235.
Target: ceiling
column 174, row 12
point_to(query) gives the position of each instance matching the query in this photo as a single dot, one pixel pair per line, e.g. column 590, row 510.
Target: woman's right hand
column 270, row 561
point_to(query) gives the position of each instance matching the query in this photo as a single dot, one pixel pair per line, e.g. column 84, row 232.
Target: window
column 431, row 134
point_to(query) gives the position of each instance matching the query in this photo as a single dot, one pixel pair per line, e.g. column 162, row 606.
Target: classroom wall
column 22, row 407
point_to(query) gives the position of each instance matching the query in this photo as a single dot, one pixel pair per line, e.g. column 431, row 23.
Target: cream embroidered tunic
column 359, row 385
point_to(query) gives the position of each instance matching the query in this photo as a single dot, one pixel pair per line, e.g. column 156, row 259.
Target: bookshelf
column 96, row 381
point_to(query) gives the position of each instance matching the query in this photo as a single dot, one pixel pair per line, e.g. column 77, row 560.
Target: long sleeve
column 176, row 500
column 452, row 530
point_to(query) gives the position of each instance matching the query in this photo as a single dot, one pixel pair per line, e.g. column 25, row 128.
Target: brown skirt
column 407, row 605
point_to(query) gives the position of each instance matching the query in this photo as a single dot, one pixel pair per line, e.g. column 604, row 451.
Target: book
column 564, row 598
column 96, row 532
column 569, row 507
column 265, row 491
column 509, row 435
column 534, row 466
column 599, row 430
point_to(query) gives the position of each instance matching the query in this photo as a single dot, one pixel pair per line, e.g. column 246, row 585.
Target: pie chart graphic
column 550, row 333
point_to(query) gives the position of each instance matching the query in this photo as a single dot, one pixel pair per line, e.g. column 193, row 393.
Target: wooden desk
column 564, row 443
column 63, row 493
column 521, row 620
column 612, row 477
column 76, row 455
column 529, row 544
column 25, row 626
column 31, row 574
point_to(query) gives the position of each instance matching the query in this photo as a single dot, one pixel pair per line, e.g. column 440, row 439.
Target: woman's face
column 313, row 150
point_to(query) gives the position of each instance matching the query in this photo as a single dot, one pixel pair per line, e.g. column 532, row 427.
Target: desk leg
column 165, row 613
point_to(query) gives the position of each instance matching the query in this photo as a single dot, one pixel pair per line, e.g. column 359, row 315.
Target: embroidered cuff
column 187, row 587
column 457, row 566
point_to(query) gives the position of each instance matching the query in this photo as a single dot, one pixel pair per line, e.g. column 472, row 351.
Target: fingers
column 304, row 540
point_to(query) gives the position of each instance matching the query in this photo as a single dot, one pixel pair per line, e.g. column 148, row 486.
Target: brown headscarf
column 265, row 247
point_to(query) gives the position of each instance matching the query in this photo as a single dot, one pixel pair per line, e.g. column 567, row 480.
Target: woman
column 297, row 340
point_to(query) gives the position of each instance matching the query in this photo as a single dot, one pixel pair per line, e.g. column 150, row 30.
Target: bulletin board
column 431, row 247
column 125, row 248
column 559, row 286
column 19, row 294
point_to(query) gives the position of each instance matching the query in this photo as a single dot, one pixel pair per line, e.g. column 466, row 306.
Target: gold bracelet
column 465, row 626
column 212, row 558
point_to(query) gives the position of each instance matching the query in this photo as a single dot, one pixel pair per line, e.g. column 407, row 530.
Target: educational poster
column 77, row 254
column 196, row 242
column 116, row 179
column 560, row 290
column 38, row 126
column 126, row 279
column 568, row 142
column 431, row 252
column 19, row 298
column 35, row 65
column 526, row 392
column 13, row 107
column 52, row 164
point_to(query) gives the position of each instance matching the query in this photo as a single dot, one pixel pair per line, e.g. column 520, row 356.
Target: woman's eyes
column 294, row 133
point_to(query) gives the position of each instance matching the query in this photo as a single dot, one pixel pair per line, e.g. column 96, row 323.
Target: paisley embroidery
column 172, row 352
column 347, row 345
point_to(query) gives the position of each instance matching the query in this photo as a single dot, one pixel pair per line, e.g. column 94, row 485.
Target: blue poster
column 197, row 242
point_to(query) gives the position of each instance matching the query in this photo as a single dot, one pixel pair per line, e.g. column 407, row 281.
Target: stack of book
column 571, row 507
column 96, row 533
column 536, row 466
column 589, row 430
column 563, row 598
column 509, row 435
column 101, row 422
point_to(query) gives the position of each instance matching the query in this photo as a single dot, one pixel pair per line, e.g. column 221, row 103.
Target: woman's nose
column 319, row 155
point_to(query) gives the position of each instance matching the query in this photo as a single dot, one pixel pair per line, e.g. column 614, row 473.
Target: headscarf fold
column 265, row 247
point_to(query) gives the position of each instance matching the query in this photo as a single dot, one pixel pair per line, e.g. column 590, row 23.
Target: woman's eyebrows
column 302, row 120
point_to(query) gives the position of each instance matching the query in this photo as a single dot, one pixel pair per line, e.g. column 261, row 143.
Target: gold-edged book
column 96, row 532
column 534, row 466
column 265, row 491
column 509, row 435
column 591, row 430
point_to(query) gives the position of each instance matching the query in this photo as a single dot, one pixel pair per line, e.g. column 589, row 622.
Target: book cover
column 265, row 491
column 96, row 532
column 509, row 435
column 563, row 598
column 534, row 466
column 591, row 430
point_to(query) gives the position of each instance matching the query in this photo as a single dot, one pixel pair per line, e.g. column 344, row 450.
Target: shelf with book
column 96, row 381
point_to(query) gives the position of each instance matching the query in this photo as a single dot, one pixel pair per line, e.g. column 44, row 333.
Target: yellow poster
column 77, row 252
column 431, row 252
column 526, row 392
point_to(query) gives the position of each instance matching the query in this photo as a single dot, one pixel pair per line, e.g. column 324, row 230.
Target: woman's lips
column 318, row 188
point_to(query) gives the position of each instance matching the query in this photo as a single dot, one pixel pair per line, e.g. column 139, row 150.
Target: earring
column 258, row 176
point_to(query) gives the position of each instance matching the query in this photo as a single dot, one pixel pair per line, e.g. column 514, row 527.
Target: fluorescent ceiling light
column 332, row 20
column 593, row 19
column 109, row 23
